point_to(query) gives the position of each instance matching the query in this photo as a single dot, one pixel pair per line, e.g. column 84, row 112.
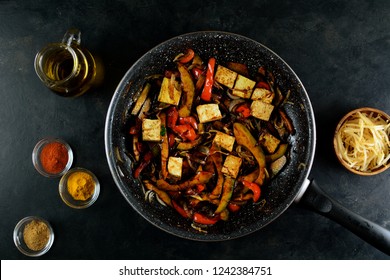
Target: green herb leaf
column 163, row 130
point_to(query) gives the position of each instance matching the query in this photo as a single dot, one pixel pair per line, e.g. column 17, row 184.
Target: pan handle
column 317, row 200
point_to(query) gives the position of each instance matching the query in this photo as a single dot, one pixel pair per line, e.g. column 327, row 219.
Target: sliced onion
column 204, row 150
column 234, row 103
column 231, row 96
column 144, row 109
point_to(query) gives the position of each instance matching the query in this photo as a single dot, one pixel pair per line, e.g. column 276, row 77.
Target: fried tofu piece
column 231, row 166
column 243, row 83
column 269, row 142
column 208, row 112
column 224, row 141
column 261, row 110
column 243, row 87
column 225, row 76
column 151, row 130
column 170, row 92
column 263, row 94
column 175, row 166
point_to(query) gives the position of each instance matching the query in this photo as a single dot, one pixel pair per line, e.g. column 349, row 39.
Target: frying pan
column 291, row 185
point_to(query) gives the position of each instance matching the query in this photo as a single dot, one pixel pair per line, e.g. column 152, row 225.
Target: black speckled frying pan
column 290, row 185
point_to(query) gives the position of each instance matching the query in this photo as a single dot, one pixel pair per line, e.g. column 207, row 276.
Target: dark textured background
column 339, row 49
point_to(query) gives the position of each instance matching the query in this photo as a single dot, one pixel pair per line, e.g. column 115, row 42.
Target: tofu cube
column 225, row 76
column 243, row 87
column 151, row 130
column 243, row 83
column 208, row 112
column 269, row 142
column 224, row 141
column 175, row 165
column 261, row 110
column 263, row 94
column 231, row 166
column 170, row 92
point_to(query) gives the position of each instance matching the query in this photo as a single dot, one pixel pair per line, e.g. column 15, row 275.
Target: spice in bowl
column 362, row 142
column 80, row 185
column 79, row 188
column 33, row 236
column 36, row 235
column 52, row 157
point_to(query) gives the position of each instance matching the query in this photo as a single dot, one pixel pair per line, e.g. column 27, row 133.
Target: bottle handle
column 72, row 36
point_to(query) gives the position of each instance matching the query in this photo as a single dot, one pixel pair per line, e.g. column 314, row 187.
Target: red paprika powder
column 54, row 157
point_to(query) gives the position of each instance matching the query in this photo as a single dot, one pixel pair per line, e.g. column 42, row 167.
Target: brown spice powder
column 36, row 235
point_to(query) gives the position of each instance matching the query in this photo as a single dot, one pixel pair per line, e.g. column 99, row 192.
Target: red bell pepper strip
column 208, row 85
column 244, row 110
column 186, row 127
column 232, row 207
column 186, row 132
column 189, row 120
column 146, row 160
column 204, row 220
column 179, row 209
column 187, row 57
column 196, row 72
column 255, row 188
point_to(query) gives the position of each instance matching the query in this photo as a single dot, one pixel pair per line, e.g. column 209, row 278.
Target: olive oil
column 59, row 66
column 67, row 68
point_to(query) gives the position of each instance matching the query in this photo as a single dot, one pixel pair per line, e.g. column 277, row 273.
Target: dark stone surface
column 339, row 49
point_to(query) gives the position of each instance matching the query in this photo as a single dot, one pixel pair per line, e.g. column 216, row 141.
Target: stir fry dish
column 207, row 136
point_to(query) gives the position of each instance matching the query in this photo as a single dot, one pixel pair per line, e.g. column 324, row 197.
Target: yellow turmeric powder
column 81, row 185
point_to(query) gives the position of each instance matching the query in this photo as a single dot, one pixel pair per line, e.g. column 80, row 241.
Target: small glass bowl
column 366, row 110
column 37, row 162
column 19, row 239
column 67, row 197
